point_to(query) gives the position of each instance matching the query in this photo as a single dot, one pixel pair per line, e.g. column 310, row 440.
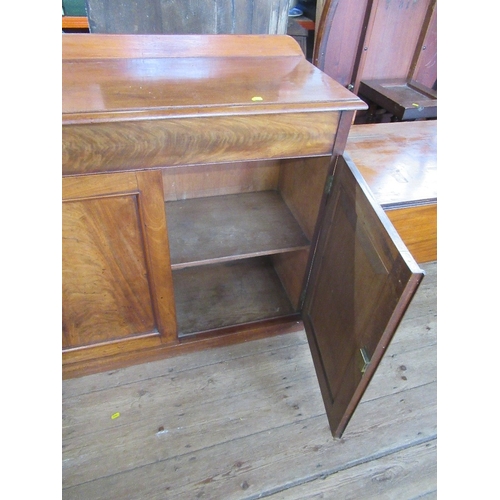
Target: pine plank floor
column 247, row 422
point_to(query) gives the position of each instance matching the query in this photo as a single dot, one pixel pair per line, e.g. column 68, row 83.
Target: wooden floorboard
column 247, row 421
column 411, row 473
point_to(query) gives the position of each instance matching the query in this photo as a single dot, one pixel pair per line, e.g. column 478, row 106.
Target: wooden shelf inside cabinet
column 228, row 294
column 237, row 226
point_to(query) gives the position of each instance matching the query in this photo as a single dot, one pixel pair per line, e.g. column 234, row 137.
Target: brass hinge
column 363, row 359
column 328, row 184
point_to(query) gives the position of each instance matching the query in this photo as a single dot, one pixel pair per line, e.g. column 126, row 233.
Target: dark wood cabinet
column 207, row 200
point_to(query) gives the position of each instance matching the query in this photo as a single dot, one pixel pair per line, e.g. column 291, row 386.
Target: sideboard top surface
column 123, row 77
column 398, row 160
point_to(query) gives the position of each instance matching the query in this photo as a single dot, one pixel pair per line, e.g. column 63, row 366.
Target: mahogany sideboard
column 206, row 200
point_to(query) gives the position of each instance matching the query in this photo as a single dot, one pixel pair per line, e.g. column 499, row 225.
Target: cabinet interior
column 239, row 236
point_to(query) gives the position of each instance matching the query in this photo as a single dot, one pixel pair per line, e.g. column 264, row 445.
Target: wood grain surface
column 230, row 227
column 417, row 226
column 166, row 100
column 198, row 181
column 104, row 298
column 397, row 160
column 362, row 280
column 132, row 145
column 399, row 163
column 227, row 294
column 109, row 46
column 117, row 284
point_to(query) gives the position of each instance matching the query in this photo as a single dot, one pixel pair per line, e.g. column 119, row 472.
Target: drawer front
column 118, row 146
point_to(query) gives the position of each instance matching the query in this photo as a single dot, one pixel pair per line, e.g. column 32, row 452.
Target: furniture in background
column 399, row 163
column 379, row 40
column 403, row 99
column 301, row 29
column 206, row 201
column 74, row 16
column 70, row 23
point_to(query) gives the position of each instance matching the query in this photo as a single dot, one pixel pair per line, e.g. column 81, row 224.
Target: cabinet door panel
column 361, row 283
column 117, row 284
column 105, row 288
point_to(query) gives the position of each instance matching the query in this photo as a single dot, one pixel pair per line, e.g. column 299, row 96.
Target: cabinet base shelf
column 227, row 294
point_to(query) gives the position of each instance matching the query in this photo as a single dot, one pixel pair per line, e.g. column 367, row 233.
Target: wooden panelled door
column 117, row 281
column 361, row 282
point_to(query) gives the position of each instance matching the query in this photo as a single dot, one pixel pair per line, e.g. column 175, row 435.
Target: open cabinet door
column 362, row 280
